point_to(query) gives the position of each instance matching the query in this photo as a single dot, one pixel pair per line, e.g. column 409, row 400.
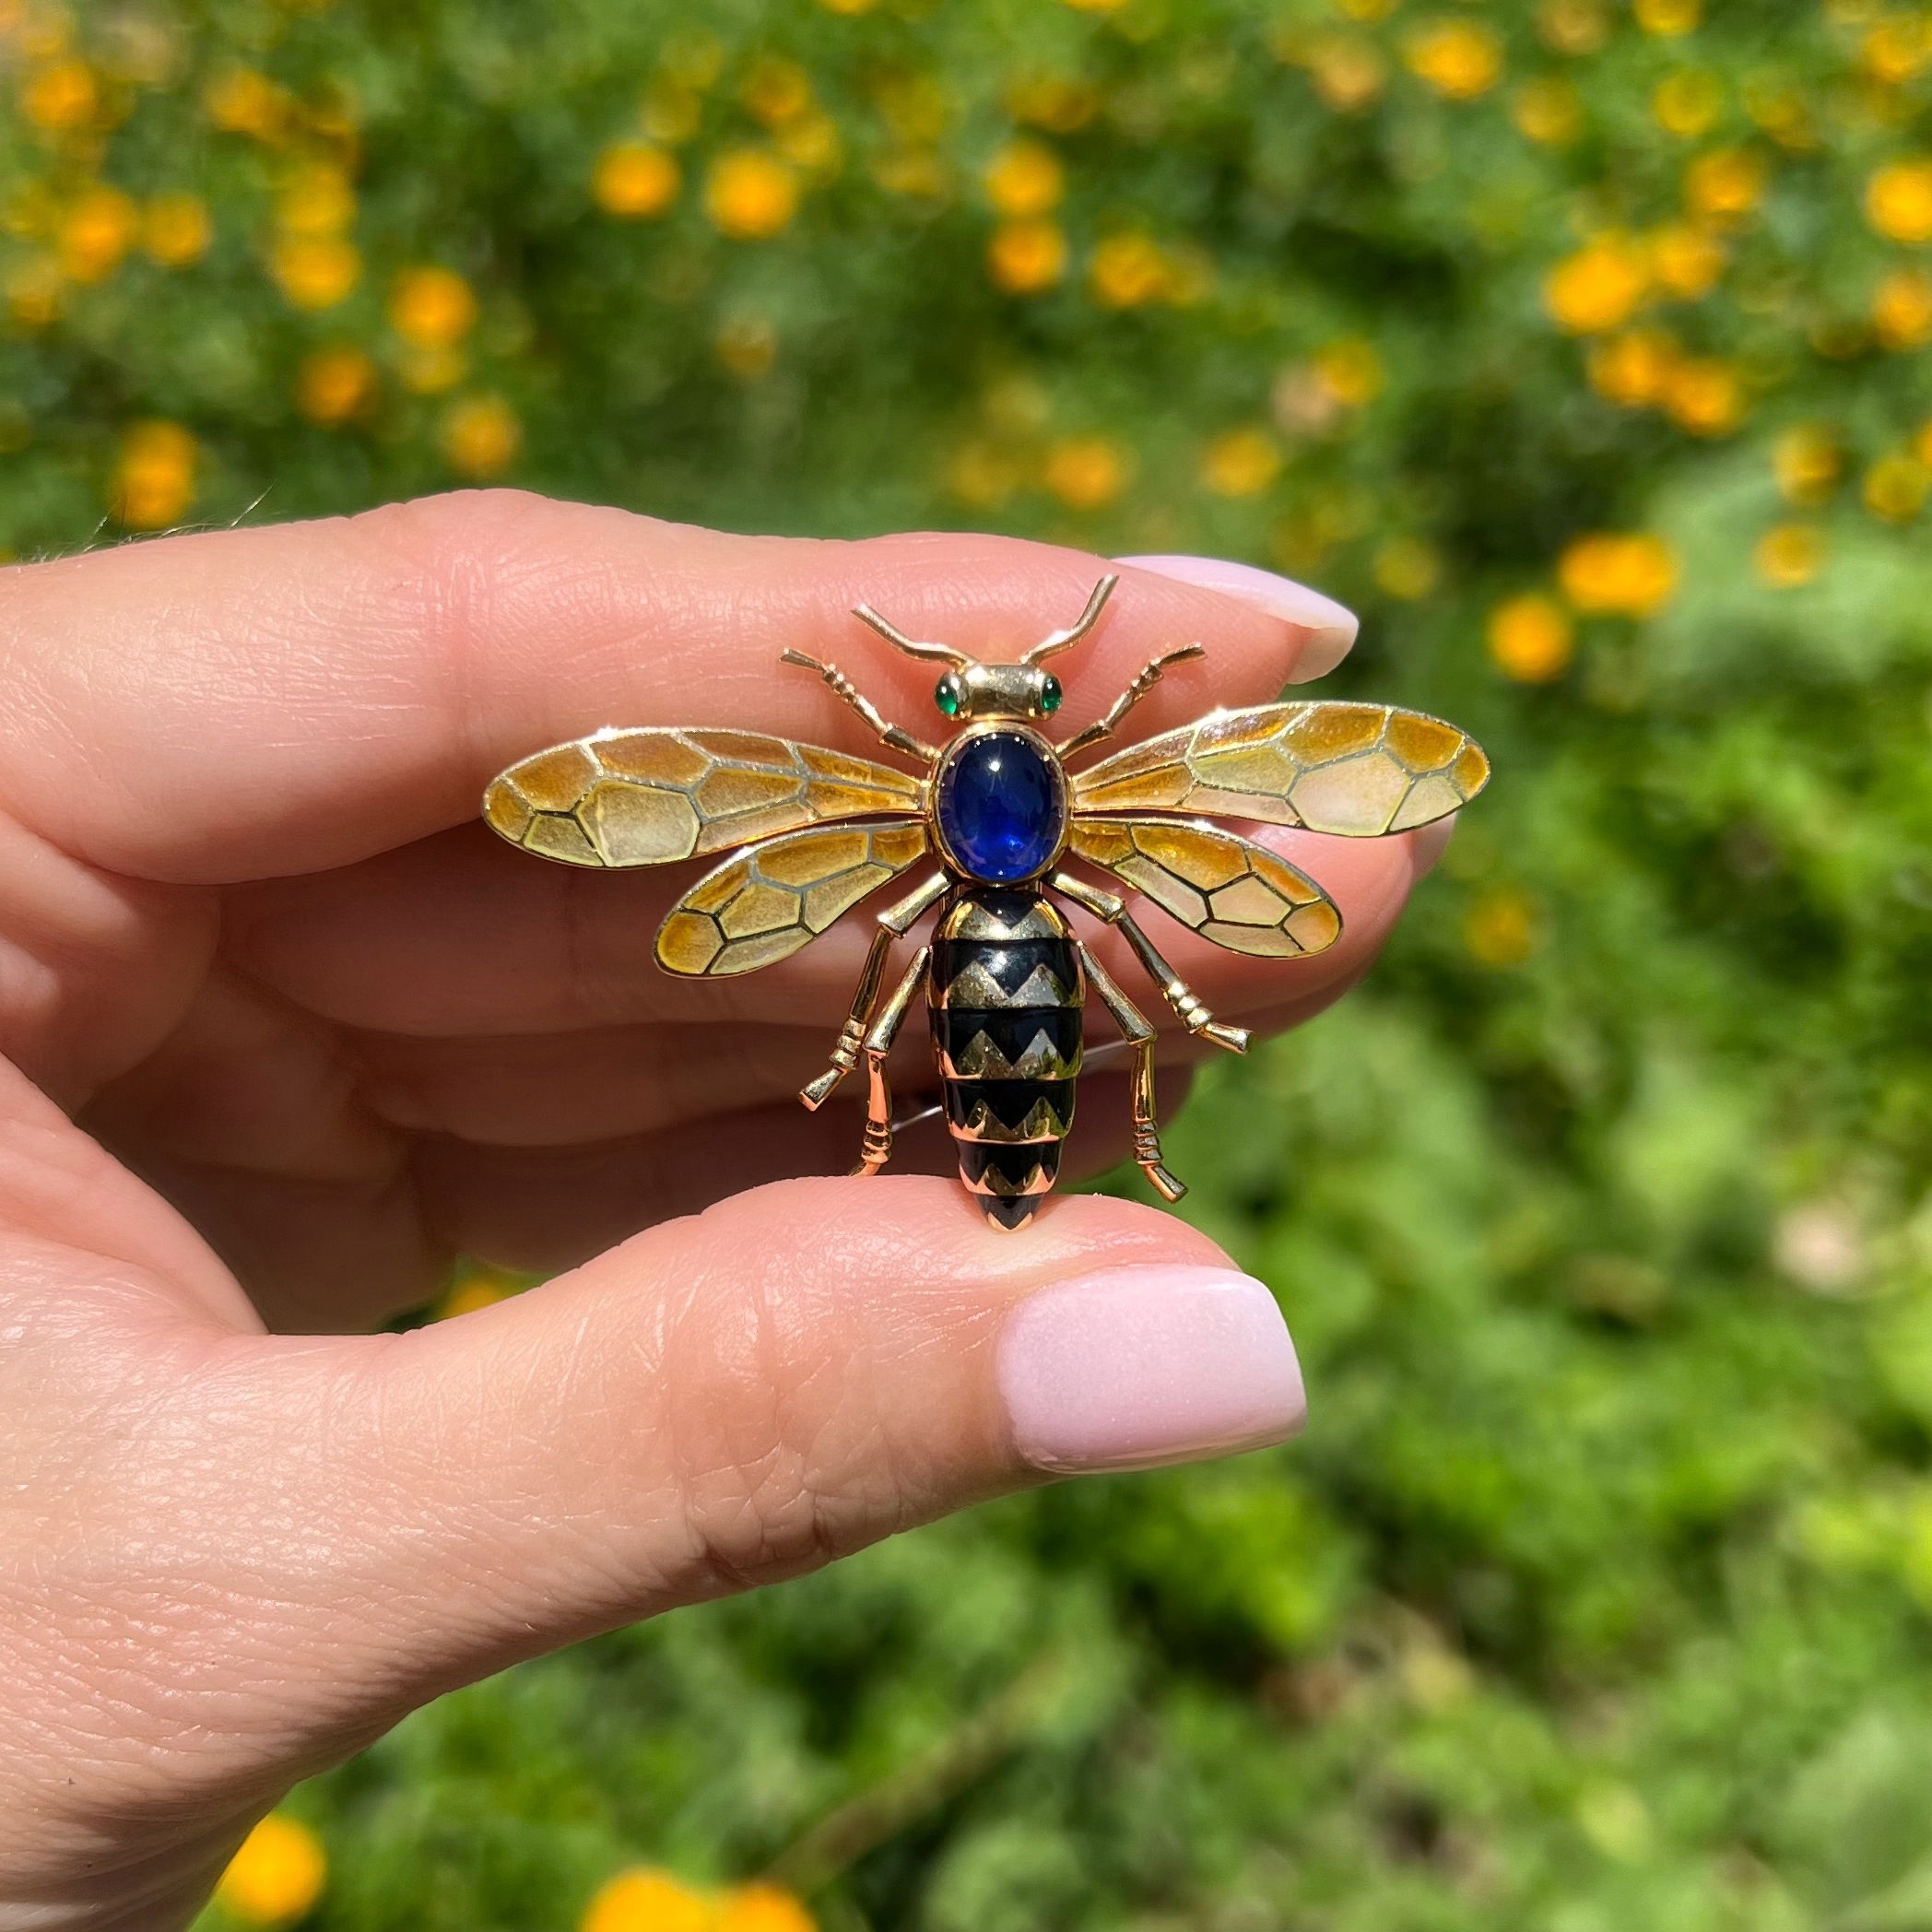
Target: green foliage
column 1596, row 1595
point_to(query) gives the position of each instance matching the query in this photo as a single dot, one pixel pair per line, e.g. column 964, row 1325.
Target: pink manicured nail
column 1331, row 626
column 1135, row 1366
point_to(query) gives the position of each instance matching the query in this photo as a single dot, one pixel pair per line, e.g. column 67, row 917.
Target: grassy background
column 1579, row 349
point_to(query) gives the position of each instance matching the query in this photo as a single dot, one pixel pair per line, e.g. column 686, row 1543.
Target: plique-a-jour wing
column 650, row 797
column 761, row 906
column 1228, row 888
column 1362, row 770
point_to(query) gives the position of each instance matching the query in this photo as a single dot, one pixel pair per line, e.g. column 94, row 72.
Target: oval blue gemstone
column 1002, row 806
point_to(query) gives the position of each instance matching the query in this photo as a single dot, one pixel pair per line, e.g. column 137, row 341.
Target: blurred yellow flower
column 1687, row 103
column 1095, row 6
column 1460, row 59
column 634, row 179
column 1531, row 639
column 1898, row 200
column 1686, row 260
column 1085, row 472
column 1704, row 396
column 1347, row 70
column 1895, row 49
column 34, row 287
column 431, row 307
column 750, row 195
column 1788, row 555
column 776, row 91
column 1668, row 18
column 1895, row 487
column 811, row 143
column 921, row 174
column 1724, row 185
column 1807, row 462
column 1025, row 256
column 1618, row 574
column 481, row 437
column 747, row 346
column 848, row 6
column 176, row 229
column 277, row 1876
column 1548, row 111
column 671, row 111
column 95, row 233
column 1902, row 309
column 61, row 97
column 31, row 207
column 982, row 475
column 243, row 101
column 642, row 1899
column 1922, row 444
column 1025, row 178
column 316, row 271
column 1634, row 370
column 1241, row 462
column 475, row 1288
column 1054, row 102
column 762, row 1908
column 1407, row 566
column 1573, row 27
column 1600, row 286
column 1500, row 929
column 1782, row 111
column 432, row 371
column 1349, row 370
column 1128, row 270
column 315, row 199
column 334, row 384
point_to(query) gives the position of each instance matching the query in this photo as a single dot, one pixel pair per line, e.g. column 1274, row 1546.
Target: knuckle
column 779, row 1454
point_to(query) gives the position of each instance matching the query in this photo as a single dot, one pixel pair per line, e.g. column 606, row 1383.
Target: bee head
column 983, row 691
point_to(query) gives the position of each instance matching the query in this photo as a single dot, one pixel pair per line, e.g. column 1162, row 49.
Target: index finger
column 261, row 702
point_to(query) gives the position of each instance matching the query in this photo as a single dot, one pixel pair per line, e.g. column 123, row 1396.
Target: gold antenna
column 943, row 653
column 1074, row 632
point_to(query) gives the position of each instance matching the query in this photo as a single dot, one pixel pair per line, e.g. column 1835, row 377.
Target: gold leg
column 895, row 923
column 1149, row 676
column 1192, row 1014
column 878, row 1147
column 1139, row 1037
column 890, row 734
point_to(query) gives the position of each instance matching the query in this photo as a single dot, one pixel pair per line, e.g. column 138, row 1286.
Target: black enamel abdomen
column 1005, row 992
column 1000, row 799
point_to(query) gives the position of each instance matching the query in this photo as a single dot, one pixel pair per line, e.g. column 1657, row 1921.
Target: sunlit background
column 1582, row 347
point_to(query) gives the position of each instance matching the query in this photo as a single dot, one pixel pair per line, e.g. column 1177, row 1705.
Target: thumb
column 745, row 1393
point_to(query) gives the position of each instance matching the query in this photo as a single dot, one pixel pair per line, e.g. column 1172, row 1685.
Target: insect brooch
column 1004, row 977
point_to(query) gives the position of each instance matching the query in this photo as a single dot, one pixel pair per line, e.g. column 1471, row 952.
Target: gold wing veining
column 650, row 797
column 1227, row 888
column 761, row 905
column 1361, row 770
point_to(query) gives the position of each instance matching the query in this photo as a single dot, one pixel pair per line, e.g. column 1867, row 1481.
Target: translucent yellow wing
column 1226, row 888
column 650, row 797
column 762, row 905
column 1358, row 769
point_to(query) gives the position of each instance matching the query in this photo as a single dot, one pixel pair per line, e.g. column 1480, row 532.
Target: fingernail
column 1331, row 626
column 1137, row 1367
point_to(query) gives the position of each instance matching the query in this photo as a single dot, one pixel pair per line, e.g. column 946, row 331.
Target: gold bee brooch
column 811, row 832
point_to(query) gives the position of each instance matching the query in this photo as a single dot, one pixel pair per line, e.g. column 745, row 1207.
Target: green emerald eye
column 1050, row 695
column 945, row 695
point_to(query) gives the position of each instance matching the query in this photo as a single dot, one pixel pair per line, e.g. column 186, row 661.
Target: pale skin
column 285, row 1030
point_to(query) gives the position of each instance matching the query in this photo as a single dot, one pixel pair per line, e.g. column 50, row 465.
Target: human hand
column 288, row 1029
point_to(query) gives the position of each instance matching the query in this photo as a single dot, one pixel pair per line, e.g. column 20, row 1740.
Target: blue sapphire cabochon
column 1001, row 807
